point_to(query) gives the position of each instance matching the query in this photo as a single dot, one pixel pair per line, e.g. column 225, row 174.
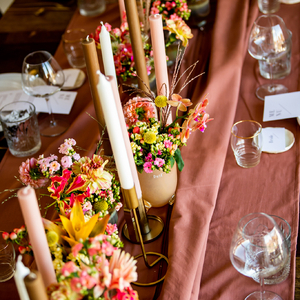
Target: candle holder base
column 156, row 225
column 161, row 257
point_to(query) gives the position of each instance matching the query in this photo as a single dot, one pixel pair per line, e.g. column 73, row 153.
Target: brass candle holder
column 134, row 230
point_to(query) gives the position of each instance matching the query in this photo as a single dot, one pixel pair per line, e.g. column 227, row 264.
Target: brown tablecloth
column 213, row 192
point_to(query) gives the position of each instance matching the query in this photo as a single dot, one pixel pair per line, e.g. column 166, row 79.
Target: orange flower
column 180, row 29
column 180, row 103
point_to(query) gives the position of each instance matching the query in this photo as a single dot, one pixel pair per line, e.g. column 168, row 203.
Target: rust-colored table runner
column 213, row 192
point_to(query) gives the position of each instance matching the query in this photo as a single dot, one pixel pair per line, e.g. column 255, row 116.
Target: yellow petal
column 86, row 229
column 100, row 226
column 72, row 242
column 50, row 226
column 77, row 216
column 68, row 226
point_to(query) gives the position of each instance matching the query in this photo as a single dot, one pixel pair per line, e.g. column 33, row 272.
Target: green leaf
column 179, row 159
column 172, row 161
column 140, row 169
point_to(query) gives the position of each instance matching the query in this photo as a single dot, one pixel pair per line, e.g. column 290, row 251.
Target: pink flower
column 66, row 162
column 118, row 206
column 111, row 228
column 76, row 249
column 64, row 149
column 159, row 162
column 5, row 235
column 108, row 27
column 54, row 166
column 25, row 171
column 13, row 236
column 87, row 280
column 168, row 144
column 69, row 268
column 147, row 167
column 70, row 142
column 138, row 109
column 76, row 156
column 76, row 285
column 123, row 270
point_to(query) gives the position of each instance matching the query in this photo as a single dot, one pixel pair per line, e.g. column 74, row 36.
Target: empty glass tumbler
column 246, row 142
column 20, row 127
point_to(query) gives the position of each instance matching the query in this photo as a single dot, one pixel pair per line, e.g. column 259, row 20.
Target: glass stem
column 261, row 288
column 52, row 120
column 271, row 78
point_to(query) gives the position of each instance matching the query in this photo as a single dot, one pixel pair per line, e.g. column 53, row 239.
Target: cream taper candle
column 36, row 232
column 114, row 131
column 126, row 138
column 159, row 55
column 107, row 54
column 20, row 274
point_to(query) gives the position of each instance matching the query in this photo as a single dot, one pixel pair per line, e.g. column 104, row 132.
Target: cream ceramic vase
column 158, row 187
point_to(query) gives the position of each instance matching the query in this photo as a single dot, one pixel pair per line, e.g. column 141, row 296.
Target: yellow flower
column 181, row 29
column 78, row 229
column 149, row 137
column 161, row 101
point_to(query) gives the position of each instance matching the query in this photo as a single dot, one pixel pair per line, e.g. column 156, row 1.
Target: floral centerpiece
column 86, row 257
column 174, row 15
column 122, row 50
column 74, row 177
column 155, row 143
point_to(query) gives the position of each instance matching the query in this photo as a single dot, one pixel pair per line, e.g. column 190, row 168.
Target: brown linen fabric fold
column 271, row 187
column 205, row 154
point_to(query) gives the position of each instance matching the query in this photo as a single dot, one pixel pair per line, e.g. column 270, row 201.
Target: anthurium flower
column 76, row 226
column 179, row 102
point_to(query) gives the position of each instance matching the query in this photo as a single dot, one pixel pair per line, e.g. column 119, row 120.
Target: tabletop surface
column 213, row 192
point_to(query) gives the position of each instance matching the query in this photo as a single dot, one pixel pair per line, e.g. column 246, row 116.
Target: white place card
column 283, row 106
column 61, row 102
column 273, row 139
column 71, row 76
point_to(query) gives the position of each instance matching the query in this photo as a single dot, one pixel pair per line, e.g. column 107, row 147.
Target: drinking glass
column 269, row 41
column 42, row 77
column 246, row 143
column 7, row 260
column 259, row 249
column 268, row 6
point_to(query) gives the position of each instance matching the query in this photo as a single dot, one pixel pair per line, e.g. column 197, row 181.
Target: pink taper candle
column 37, row 236
column 159, row 55
column 125, row 137
column 122, row 9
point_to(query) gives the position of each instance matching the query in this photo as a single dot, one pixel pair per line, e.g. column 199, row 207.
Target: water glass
column 282, row 275
column 72, row 39
column 268, row 6
column 20, row 127
column 91, row 8
column 246, row 142
column 280, row 64
column 7, row 260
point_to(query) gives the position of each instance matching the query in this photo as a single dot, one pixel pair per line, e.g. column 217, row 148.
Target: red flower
column 5, row 236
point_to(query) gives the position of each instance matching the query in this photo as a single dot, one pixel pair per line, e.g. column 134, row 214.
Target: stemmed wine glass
column 268, row 41
column 42, row 77
column 259, row 249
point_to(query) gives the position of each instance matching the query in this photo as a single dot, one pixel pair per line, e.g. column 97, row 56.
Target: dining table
column 213, row 193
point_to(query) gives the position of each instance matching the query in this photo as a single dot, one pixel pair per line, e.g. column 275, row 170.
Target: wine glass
column 268, row 41
column 42, row 77
column 259, row 249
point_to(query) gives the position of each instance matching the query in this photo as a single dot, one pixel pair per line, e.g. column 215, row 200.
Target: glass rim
column 25, row 119
column 286, row 222
column 247, row 137
column 68, row 40
column 47, row 56
column 268, row 16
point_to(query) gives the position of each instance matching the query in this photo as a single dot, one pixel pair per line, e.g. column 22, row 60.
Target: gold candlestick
column 132, row 203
